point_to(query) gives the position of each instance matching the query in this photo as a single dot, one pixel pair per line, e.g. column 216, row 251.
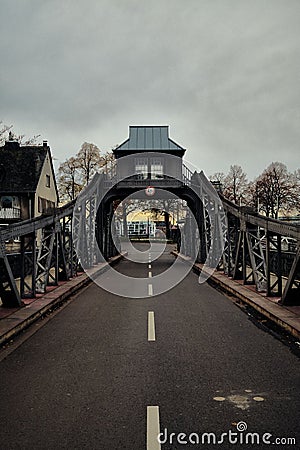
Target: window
column 157, row 168
column 40, row 205
column 141, row 168
column 48, row 181
column 45, row 206
column 6, row 202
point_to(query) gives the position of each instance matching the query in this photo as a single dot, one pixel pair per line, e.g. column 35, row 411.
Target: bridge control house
column 27, row 182
column 148, row 148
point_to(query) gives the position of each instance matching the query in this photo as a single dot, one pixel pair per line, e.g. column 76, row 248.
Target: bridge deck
column 89, row 377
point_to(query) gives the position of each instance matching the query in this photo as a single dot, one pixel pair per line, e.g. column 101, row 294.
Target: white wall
column 48, row 193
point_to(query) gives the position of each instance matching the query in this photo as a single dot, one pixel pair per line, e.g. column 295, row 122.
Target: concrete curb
column 16, row 322
column 280, row 315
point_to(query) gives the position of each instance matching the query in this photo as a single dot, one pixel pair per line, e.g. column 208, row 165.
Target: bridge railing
column 186, row 175
column 112, row 177
column 261, row 251
column 45, row 255
column 257, row 252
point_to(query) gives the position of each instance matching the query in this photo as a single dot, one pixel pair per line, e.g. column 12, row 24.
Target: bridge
column 79, row 233
column 114, row 377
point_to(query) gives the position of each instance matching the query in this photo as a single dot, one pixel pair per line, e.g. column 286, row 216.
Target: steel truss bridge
column 55, row 247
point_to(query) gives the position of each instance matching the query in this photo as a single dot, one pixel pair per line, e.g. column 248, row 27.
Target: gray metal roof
column 149, row 138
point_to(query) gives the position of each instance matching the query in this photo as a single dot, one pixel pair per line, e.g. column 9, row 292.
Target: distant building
column 27, row 182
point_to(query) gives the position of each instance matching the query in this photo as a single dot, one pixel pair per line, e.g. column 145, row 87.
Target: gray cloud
column 223, row 74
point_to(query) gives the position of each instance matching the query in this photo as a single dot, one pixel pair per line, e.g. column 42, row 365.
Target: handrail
column 273, row 225
column 31, row 225
column 186, row 175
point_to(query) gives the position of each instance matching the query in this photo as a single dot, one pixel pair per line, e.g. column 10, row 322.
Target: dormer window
column 48, row 181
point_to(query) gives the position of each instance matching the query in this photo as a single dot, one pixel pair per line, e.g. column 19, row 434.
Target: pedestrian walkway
column 15, row 320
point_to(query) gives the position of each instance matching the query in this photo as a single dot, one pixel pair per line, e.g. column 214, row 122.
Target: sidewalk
column 287, row 317
column 15, row 320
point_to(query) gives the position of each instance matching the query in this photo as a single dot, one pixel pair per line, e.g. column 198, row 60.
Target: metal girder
column 28, row 266
column 187, row 235
column 291, row 294
column 238, row 271
column 84, row 222
column 108, row 233
column 220, row 234
column 207, row 229
column 90, row 223
column 231, row 241
column 44, row 259
column 274, row 264
column 68, row 257
column 250, row 263
column 254, row 239
column 9, row 293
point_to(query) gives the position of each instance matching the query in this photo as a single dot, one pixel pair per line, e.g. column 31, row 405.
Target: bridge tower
column 149, row 147
column 148, row 157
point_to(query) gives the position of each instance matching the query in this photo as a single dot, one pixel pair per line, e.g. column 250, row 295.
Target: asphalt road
column 103, row 372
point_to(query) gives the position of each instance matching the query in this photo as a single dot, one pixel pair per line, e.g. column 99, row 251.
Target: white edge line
column 153, row 428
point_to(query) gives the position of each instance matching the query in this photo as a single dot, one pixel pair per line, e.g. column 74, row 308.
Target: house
column 27, row 182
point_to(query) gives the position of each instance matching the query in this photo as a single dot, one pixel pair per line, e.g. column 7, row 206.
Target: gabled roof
column 21, row 166
column 149, row 138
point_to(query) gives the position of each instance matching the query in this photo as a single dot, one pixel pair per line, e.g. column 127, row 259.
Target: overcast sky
column 224, row 75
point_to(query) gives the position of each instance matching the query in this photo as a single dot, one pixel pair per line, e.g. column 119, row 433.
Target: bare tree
column 218, row 177
column 297, row 175
column 4, row 130
column 77, row 171
column 295, row 202
column 218, row 180
column 89, row 161
column 276, row 189
column 7, row 134
column 69, row 184
column 23, row 140
column 108, row 162
column 236, row 185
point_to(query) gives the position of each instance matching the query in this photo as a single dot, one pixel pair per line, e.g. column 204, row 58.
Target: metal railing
column 255, row 249
column 10, row 213
column 112, row 178
column 186, row 175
